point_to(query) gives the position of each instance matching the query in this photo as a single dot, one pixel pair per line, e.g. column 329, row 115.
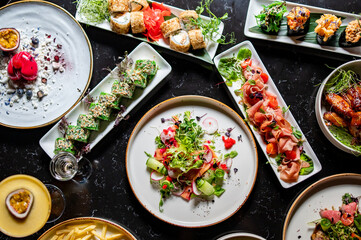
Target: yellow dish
column 40, row 210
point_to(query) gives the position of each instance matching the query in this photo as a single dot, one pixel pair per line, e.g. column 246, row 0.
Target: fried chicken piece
column 339, row 104
column 335, row 119
column 354, row 95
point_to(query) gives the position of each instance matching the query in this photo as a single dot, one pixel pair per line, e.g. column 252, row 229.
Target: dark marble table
column 296, row 72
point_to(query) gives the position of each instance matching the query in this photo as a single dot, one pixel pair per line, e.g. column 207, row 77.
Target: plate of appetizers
column 87, row 228
column 139, row 75
column 328, row 209
column 303, row 25
column 25, row 205
column 200, row 156
column 338, row 107
column 46, row 63
column 256, row 96
column 186, row 32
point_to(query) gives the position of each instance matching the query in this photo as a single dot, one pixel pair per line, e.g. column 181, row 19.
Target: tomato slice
column 291, row 154
column 273, row 103
column 264, row 77
column 246, row 63
column 346, row 219
column 354, row 235
column 271, row 148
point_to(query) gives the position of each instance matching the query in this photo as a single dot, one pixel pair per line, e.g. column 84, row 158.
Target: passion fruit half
column 9, row 39
column 19, row 202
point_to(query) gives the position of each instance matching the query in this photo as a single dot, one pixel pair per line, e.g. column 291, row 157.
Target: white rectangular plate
column 288, row 115
column 255, row 7
column 142, row 51
column 208, row 53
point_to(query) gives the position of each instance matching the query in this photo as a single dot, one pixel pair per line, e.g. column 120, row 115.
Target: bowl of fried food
column 338, row 107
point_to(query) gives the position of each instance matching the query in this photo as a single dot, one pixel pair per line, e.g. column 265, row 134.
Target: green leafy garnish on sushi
column 94, row 11
column 270, row 18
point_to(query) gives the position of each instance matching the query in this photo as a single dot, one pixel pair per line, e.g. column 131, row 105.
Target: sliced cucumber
column 209, row 176
column 156, row 165
column 205, row 187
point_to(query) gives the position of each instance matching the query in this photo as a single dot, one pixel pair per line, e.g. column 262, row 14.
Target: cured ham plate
column 288, row 115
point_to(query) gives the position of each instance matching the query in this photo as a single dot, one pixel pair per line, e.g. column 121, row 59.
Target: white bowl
column 240, row 236
column 321, row 109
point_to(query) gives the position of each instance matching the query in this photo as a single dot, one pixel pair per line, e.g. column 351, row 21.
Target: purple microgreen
column 162, row 120
column 199, row 118
column 227, row 134
column 120, row 116
column 126, row 63
column 258, row 95
column 88, row 99
column 240, row 138
column 83, row 150
column 63, row 125
column 235, row 170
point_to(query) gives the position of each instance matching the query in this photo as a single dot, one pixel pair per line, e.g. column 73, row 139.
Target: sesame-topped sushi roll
column 137, row 22
column 170, row 26
column 179, row 41
column 138, row 5
column 77, row 133
column 64, row 145
column 326, row 29
column 100, row 111
column 197, row 39
column 118, row 6
column 188, row 17
column 120, row 22
column 147, row 66
column 87, row 121
column 298, row 21
column 351, row 36
column 109, row 100
column 123, row 89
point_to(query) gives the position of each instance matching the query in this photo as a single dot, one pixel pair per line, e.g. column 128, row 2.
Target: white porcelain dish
column 69, row 87
column 289, row 117
column 206, row 55
column 195, row 213
column 325, row 193
column 320, row 108
column 255, row 7
column 142, row 51
column 241, row 236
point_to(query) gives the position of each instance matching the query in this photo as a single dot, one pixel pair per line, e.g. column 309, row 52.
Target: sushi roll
column 138, row 5
column 187, row 18
column 138, row 77
column 109, row 100
column 137, row 22
column 88, row 122
column 298, row 21
column 118, row 6
column 197, row 39
column 170, row 26
column 179, row 41
column 326, row 29
column 77, row 133
column 64, row 145
column 148, row 67
column 120, row 23
column 123, row 89
column 351, row 36
column 270, row 18
column 100, row 111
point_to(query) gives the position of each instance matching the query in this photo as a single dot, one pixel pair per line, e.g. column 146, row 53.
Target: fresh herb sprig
column 269, row 19
column 342, row 81
column 210, row 27
column 94, row 11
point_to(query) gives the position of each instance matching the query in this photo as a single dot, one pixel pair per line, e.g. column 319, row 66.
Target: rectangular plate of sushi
column 108, row 103
column 303, row 25
column 273, row 125
column 180, row 31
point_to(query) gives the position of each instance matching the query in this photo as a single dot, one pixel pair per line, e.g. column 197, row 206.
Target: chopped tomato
column 291, row 154
column 354, row 235
column 228, row 142
column 223, row 166
column 346, row 219
column 169, row 179
column 164, row 186
column 271, row 148
column 273, row 103
column 246, row 63
column 264, row 77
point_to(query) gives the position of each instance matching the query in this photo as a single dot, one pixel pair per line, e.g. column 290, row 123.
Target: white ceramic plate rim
column 272, row 88
column 241, row 234
column 48, row 140
column 217, row 106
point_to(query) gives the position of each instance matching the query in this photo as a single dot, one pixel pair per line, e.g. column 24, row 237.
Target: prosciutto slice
column 290, row 172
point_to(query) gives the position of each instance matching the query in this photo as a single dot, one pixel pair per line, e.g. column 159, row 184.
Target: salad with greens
column 185, row 162
column 342, row 224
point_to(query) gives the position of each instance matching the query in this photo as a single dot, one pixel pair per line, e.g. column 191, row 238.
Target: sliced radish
column 208, row 156
column 179, row 192
column 156, row 176
column 195, row 189
column 166, row 136
column 210, row 125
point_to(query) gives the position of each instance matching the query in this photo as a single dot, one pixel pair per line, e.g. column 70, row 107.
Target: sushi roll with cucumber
column 77, row 133
column 179, row 41
column 137, row 22
column 123, row 88
column 138, row 5
column 197, row 39
column 351, row 36
column 298, row 21
column 87, row 121
column 188, row 18
column 170, row 26
column 64, row 145
column 118, row 6
column 270, row 18
column 326, row 28
column 147, row 66
column 109, row 100
column 120, row 23
column 100, row 111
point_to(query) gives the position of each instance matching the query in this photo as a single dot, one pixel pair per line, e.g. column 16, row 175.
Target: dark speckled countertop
column 296, row 72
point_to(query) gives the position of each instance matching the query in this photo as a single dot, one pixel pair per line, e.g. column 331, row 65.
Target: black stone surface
column 296, row 71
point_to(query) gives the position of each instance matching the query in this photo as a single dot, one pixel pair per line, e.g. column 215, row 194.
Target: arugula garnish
column 296, row 133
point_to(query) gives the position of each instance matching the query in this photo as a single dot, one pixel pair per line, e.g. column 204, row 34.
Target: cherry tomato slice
column 346, row 219
column 291, row 154
column 264, row 77
column 246, row 63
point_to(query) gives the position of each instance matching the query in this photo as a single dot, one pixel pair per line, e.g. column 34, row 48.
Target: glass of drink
column 57, row 202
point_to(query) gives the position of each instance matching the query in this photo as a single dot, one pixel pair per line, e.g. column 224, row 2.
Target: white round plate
column 325, row 193
column 320, row 109
column 240, row 236
column 196, row 212
column 69, row 86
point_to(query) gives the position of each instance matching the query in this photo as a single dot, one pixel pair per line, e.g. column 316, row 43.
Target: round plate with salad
column 328, row 209
column 188, row 158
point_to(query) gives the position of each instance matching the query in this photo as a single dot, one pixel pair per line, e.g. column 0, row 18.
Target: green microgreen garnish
column 269, row 19
column 94, row 11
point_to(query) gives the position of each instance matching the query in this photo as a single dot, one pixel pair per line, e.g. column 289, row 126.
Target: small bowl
column 240, row 236
column 17, row 41
column 321, row 109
